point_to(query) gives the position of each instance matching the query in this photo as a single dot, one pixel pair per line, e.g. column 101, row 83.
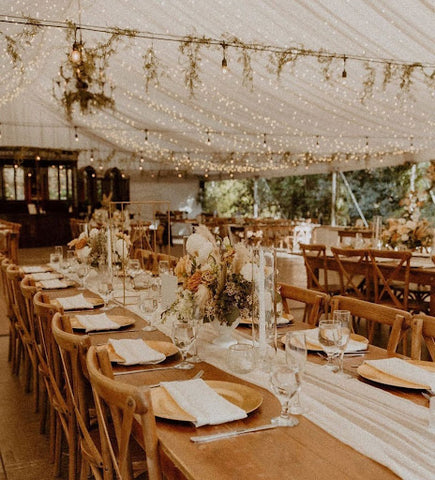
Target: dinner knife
column 233, row 433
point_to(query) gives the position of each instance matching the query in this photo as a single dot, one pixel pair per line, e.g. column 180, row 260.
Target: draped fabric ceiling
column 229, row 124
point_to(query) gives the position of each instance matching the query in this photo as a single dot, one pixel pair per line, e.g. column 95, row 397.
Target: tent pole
column 333, row 197
column 255, row 197
column 352, row 196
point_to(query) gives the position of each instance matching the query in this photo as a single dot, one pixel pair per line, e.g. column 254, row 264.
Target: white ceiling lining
column 299, row 113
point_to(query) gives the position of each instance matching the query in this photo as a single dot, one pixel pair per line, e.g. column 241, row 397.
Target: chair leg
column 35, row 387
column 27, row 371
column 57, row 447
column 44, row 411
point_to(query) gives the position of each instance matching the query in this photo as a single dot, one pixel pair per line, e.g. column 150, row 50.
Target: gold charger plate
column 316, row 348
column 371, row 373
column 167, row 348
column 121, row 320
column 243, row 396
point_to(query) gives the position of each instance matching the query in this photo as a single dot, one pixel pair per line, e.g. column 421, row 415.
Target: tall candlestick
column 261, row 301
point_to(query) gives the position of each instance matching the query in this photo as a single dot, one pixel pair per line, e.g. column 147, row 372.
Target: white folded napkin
column 135, row 351
column 404, row 370
column 34, row 269
column 312, row 337
column 45, row 276
column 97, row 322
column 52, row 284
column 76, row 302
column 196, row 398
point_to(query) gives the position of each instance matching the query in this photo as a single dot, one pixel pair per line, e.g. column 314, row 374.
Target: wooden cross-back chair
column 61, row 410
column 354, row 272
column 316, row 303
column 125, row 403
column 72, row 350
column 12, row 348
column 28, row 291
column 147, row 259
column 317, row 278
column 397, row 320
column 391, row 277
column 423, row 329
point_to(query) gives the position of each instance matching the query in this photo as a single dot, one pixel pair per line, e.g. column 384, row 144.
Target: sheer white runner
column 390, row 430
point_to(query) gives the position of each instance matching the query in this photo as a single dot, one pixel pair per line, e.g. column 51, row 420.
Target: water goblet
column 343, row 319
column 105, row 289
column 149, row 303
column 296, row 355
column 81, row 272
column 183, row 337
column 285, row 382
column 133, row 268
column 196, row 324
column 329, row 337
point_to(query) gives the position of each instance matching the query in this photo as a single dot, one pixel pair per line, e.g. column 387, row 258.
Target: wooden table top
column 305, row 451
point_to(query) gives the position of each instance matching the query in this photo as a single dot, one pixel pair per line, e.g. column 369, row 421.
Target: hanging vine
column 368, row 83
column 16, row 44
column 191, row 47
column 151, row 68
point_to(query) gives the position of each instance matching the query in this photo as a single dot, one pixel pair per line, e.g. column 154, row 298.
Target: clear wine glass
column 343, row 319
column 149, row 303
column 296, row 355
column 105, row 289
column 196, row 323
column 285, row 383
column 329, row 337
column 81, row 272
column 133, row 268
column 163, row 267
column 183, row 336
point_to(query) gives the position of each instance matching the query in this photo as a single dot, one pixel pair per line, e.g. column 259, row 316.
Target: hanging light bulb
column 208, row 138
column 76, row 136
column 76, row 51
column 224, row 60
column 344, row 73
column 92, row 156
column 264, row 141
column 146, row 136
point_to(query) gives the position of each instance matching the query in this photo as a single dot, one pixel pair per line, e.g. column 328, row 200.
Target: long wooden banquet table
column 306, row 451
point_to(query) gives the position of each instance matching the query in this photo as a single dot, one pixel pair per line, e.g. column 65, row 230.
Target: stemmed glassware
column 183, row 335
column 133, row 268
column 285, row 382
column 105, row 287
column 329, row 338
column 343, row 319
column 296, row 355
column 81, row 272
column 163, row 267
column 196, row 323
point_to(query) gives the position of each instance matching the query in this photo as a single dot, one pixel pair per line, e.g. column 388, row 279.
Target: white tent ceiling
column 295, row 124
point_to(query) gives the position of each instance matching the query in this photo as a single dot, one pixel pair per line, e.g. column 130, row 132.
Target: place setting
column 78, row 302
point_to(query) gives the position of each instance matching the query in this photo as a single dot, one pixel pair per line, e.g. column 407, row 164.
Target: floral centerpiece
column 410, row 231
column 93, row 247
column 216, row 280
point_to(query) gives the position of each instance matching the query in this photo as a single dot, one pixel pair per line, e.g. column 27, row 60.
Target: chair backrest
column 398, row 320
column 423, row 328
column 14, row 276
column 124, row 402
column 73, row 349
column 388, row 267
column 316, row 302
column 354, row 271
column 147, row 259
column 313, row 255
column 7, row 286
column 28, row 291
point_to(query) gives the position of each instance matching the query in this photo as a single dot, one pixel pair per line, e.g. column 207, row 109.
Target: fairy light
column 208, row 138
column 146, row 136
column 264, row 141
